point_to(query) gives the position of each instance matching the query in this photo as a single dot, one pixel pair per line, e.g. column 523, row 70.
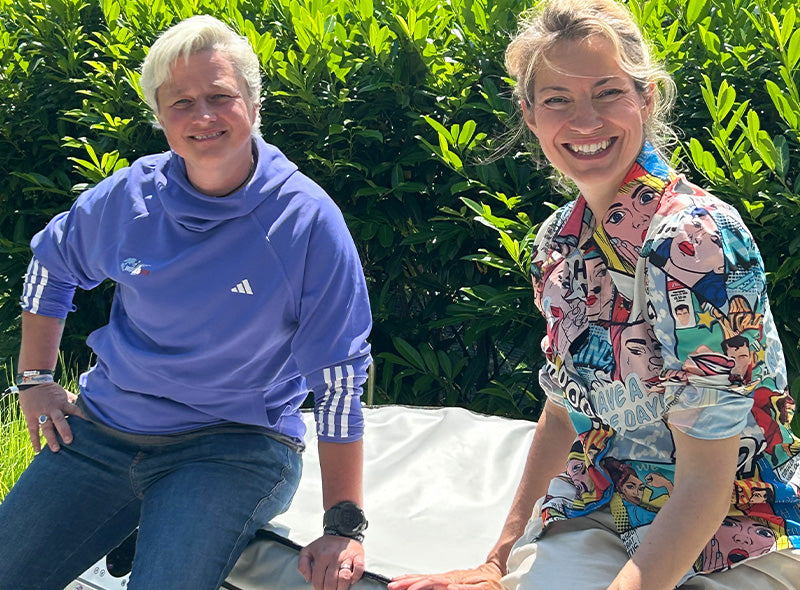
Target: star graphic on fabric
column 704, row 318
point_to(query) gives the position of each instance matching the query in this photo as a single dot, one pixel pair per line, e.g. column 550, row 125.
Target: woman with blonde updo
column 665, row 415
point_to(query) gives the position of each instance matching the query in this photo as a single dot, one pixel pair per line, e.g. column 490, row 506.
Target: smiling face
column 588, row 117
column 206, row 115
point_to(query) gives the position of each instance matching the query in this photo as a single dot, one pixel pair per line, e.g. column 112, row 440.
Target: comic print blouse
column 657, row 318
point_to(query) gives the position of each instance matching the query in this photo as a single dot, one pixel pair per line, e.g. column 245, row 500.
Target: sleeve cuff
column 705, row 412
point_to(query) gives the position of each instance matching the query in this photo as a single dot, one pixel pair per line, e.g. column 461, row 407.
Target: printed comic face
column 697, row 247
column 561, row 304
column 741, row 359
column 627, row 220
column 638, row 352
column 598, row 296
column 577, row 472
column 740, row 538
column 683, row 315
column 632, row 490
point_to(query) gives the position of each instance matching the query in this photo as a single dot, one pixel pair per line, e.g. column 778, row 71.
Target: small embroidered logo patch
column 134, row 266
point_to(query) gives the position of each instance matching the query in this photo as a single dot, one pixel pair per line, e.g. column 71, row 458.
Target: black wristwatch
column 345, row 519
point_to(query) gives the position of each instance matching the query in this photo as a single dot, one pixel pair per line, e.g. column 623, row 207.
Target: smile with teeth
column 589, row 149
column 208, row 136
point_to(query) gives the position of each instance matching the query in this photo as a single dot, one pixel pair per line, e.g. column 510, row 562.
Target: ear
column 527, row 114
column 647, row 101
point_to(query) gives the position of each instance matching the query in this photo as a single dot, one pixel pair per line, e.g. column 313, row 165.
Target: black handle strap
column 265, row 535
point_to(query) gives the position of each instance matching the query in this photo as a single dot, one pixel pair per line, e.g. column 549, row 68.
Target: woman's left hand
column 483, row 577
column 332, row 562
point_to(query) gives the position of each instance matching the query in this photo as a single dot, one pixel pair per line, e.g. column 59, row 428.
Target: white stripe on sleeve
column 336, row 386
column 36, row 279
column 348, row 397
column 335, row 408
column 326, row 376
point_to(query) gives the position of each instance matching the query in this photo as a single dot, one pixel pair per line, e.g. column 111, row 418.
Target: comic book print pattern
column 657, row 313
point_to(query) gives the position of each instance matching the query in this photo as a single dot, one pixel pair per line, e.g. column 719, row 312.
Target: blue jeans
column 197, row 498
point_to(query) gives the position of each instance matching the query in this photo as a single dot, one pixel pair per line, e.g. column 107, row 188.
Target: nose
column 205, row 110
column 585, row 117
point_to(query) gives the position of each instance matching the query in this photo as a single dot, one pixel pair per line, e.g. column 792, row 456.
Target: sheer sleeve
column 706, row 293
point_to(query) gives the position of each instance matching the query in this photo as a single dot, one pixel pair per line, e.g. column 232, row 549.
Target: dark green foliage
column 393, row 106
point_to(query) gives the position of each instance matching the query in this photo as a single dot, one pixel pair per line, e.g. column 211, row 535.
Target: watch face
column 347, row 518
column 351, row 519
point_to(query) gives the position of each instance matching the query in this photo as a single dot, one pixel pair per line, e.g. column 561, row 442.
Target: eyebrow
column 600, row 82
column 213, row 86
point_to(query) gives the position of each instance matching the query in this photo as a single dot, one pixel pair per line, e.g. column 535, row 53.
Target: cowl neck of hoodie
column 200, row 212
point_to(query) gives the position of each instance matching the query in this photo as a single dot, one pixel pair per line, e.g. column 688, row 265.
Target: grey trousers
column 587, row 553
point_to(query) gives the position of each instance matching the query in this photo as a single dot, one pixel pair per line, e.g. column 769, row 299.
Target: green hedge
column 393, row 106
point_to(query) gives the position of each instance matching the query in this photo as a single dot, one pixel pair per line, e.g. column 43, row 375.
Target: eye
column 610, row 93
column 646, row 198
column 615, row 217
column 728, row 522
column 555, row 101
column 636, row 350
column 764, row 532
column 181, row 103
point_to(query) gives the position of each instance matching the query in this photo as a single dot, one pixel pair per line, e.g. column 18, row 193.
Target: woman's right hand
column 483, row 577
column 46, row 407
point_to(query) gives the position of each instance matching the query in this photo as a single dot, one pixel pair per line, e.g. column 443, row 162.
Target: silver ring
column 43, row 418
column 345, row 566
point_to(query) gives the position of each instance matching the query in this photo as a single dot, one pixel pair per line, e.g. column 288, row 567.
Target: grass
column 16, row 451
column 15, row 446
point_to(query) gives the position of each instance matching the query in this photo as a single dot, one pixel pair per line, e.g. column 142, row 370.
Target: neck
column 210, row 182
column 246, row 178
column 599, row 201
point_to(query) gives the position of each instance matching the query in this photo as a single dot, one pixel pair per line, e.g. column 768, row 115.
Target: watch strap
column 355, row 536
